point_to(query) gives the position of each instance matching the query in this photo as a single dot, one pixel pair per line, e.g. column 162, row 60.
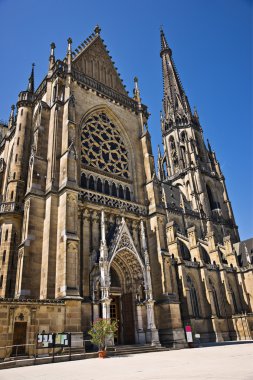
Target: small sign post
column 197, row 336
column 188, row 332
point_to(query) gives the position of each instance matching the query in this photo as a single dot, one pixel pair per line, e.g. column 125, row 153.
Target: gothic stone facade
column 89, row 229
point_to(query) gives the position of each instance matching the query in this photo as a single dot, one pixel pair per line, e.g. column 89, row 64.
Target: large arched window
column 193, row 298
column 102, row 145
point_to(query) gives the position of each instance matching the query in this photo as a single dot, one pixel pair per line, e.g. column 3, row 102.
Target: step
column 135, row 349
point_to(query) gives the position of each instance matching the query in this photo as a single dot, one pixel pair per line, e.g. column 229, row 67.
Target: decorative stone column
column 152, row 332
column 95, row 311
column 86, row 251
column 104, row 271
column 140, row 331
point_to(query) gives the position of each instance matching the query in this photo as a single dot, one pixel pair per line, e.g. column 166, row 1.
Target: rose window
column 102, row 146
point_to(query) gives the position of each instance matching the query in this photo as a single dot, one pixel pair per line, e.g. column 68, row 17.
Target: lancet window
column 106, row 186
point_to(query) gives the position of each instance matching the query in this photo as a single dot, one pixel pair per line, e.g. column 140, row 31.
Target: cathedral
column 91, row 228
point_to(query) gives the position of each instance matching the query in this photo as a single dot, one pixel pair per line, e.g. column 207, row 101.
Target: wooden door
column 19, row 338
column 128, row 318
column 115, row 316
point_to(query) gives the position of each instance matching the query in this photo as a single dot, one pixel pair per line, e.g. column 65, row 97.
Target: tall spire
column 30, row 87
column 175, row 104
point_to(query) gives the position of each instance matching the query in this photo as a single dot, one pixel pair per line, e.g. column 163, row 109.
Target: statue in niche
column 2, row 165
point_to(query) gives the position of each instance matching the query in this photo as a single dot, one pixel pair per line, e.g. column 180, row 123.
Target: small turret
column 12, row 117
column 52, row 57
column 136, row 91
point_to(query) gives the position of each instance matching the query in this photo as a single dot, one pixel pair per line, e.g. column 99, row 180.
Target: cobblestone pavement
column 218, row 362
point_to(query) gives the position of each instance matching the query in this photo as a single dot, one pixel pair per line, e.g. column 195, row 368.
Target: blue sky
column 212, row 49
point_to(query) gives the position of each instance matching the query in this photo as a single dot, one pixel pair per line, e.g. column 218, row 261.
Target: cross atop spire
column 175, row 103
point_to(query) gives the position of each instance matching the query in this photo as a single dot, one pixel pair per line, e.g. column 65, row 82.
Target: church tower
column 187, row 163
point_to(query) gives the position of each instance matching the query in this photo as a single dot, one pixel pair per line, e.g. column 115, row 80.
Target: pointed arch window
column 91, row 183
column 121, row 192
column 99, row 185
column 215, row 299
column 205, row 255
column 83, row 181
column 128, row 195
column 183, row 136
column 210, row 198
column 107, row 188
column 114, row 190
column 185, row 251
column 193, row 298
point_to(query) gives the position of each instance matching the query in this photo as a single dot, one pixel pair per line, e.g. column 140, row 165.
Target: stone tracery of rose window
column 103, row 147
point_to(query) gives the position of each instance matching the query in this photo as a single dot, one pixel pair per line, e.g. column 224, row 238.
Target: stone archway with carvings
column 133, row 296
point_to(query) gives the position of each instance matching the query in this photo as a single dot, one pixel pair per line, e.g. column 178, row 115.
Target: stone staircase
column 134, row 349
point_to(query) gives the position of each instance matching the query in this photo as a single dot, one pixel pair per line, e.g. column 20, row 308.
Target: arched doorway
column 122, row 286
column 126, row 290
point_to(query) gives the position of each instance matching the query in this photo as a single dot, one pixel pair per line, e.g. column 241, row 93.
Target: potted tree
column 101, row 331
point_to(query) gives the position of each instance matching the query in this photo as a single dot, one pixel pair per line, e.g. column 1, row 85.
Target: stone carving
column 125, row 242
column 2, row 165
column 94, row 197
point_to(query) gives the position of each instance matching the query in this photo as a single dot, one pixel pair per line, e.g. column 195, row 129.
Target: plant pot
column 102, row 354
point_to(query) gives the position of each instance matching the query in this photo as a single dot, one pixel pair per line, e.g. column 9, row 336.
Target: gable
column 94, row 61
column 123, row 240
